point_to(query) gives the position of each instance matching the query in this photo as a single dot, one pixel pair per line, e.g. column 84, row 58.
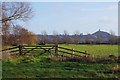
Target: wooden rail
column 24, row 49
column 14, row 51
column 39, row 45
column 19, row 49
column 69, row 53
column 9, row 48
column 46, row 48
column 31, row 49
column 73, row 50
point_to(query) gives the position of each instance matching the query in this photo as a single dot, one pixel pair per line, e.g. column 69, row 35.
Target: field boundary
column 24, row 49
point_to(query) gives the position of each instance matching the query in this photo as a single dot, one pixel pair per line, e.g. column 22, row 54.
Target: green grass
column 95, row 50
column 40, row 66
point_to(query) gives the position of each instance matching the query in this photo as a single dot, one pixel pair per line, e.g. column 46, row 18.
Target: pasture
column 45, row 65
column 95, row 50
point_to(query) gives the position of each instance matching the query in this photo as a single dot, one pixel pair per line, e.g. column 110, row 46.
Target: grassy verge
column 42, row 67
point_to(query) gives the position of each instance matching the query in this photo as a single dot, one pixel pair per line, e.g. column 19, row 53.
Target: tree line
column 65, row 38
column 15, row 34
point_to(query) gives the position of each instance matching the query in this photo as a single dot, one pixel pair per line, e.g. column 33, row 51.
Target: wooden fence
column 24, row 49
column 13, row 49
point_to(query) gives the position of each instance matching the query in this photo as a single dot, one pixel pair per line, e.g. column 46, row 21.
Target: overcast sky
column 85, row 17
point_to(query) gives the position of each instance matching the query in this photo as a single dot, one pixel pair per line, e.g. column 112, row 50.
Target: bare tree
column 15, row 11
column 66, row 37
column 112, row 38
column 12, row 12
column 88, row 39
column 56, row 37
column 44, row 38
column 76, row 32
column 99, row 39
column 55, row 32
column 5, row 32
column 22, row 36
column 66, row 33
column 77, row 37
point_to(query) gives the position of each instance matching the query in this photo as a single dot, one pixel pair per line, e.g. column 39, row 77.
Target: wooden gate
column 51, row 49
column 46, row 48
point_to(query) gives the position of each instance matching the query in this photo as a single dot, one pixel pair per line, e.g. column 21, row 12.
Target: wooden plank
column 37, row 48
column 69, row 53
column 14, row 51
column 73, row 50
column 38, row 45
column 31, row 49
column 9, row 49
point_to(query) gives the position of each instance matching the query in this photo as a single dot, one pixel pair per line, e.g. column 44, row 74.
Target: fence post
column 20, row 50
column 72, row 52
column 56, row 49
column 85, row 51
column 86, row 54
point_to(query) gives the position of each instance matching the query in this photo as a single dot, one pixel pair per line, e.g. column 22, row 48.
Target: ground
column 43, row 67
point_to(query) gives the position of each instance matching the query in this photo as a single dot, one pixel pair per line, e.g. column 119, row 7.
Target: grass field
column 95, row 50
column 43, row 67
